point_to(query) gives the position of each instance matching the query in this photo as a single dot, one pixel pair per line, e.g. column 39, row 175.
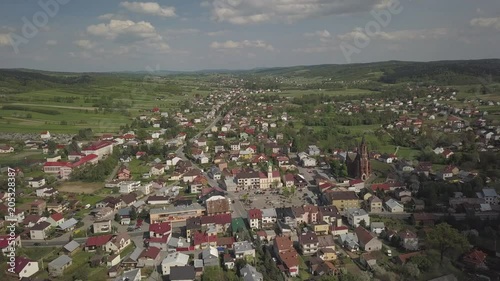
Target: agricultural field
column 103, row 103
column 80, row 187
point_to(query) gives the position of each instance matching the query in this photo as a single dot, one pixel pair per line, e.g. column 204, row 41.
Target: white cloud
column 183, row 31
column 360, row 34
column 259, row 11
column 150, row 8
column 317, row 49
column 51, row 42
column 112, row 16
column 486, row 22
column 230, row 44
column 323, row 35
column 4, row 39
column 217, row 33
column 116, row 28
column 85, row 44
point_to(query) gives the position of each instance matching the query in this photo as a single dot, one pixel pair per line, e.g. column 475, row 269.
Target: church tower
column 269, row 174
column 364, row 161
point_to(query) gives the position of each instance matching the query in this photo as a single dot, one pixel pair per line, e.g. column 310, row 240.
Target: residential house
column 57, row 266
column 101, row 226
column 37, row 207
column 39, row 231
column 355, row 216
column 149, row 257
column 118, row 243
column 36, row 182
column 55, row 219
column 243, row 249
column 308, row 243
column 367, row 240
column 250, row 273
column 68, row 225
column 97, row 242
column 409, row 240
column 377, row 227
column 255, row 218
column 374, row 204
column 394, row 206
column 343, row 199
column 423, row 219
column 173, row 260
column 489, row 195
column 475, row 259
column 218, row 205
column 182, row 273
column 71, row 247
column 286, row 254
column 210, row 256
column 25, row 268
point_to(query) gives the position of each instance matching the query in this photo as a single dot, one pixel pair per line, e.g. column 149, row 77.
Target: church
column 358, row 163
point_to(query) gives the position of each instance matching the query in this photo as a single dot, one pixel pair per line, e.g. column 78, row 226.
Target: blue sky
column 109, row 35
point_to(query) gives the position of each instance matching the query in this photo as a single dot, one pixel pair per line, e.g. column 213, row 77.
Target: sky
column 187, row 35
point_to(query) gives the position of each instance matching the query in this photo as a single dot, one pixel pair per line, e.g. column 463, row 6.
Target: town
column 248, row 183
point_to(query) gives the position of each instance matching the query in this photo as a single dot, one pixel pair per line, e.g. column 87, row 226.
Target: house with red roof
column 220, row 222
column 160, row 229
column 149, row 257
column 385, row 187
column 25, row 267
column 55, row 219
column 118, row 243
column 202, row 240
column 6, row 242
column 100, row 148
column 255, row 218
column 367, row 240
column 95, row 242
column 475, row 259
column 287, row 255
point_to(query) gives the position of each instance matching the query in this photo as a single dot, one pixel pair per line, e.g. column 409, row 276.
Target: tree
column 117, row 217
column 447, row 240
column 133, row 214
column 362, row 223
column 51, row 145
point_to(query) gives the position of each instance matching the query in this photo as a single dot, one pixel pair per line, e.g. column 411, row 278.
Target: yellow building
column 343, row 200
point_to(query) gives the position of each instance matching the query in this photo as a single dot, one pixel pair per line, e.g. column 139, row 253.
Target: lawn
column 137, row 168
column 80, row 187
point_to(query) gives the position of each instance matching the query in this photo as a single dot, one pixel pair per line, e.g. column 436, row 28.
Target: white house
column 173, row 260
column 377, row 227
column 6, row 149
column 394, row 206
column 489, row 195
column 127, row 187
column 25, row 267
column 36, row 182
column 356, row 215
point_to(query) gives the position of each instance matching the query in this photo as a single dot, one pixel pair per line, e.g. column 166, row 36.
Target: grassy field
column 80, row 187
column 345, row 92
column 76, row 106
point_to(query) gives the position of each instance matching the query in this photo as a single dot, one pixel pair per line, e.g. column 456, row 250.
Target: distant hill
column 441, row 72
column 389, row 72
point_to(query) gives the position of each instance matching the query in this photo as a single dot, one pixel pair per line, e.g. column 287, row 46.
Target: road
column 460, row 216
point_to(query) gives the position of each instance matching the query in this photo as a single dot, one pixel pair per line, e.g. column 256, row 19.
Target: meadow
column 104, row 103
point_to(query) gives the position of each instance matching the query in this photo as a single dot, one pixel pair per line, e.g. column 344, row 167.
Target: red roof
column 254, row 214
column 57, row 164
column 57, row 216
column 161, row 240
column 201, row 237
column 353, row 182
column 475, row 257
column 216, row 219
column 129, row 136
column 85, row 159
column 98, row 241
column 151, row 253
column 380, row 186
column 364, row 236
column 4, row 241
column 21, row 263
column 98, row 145
column 160, row 228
